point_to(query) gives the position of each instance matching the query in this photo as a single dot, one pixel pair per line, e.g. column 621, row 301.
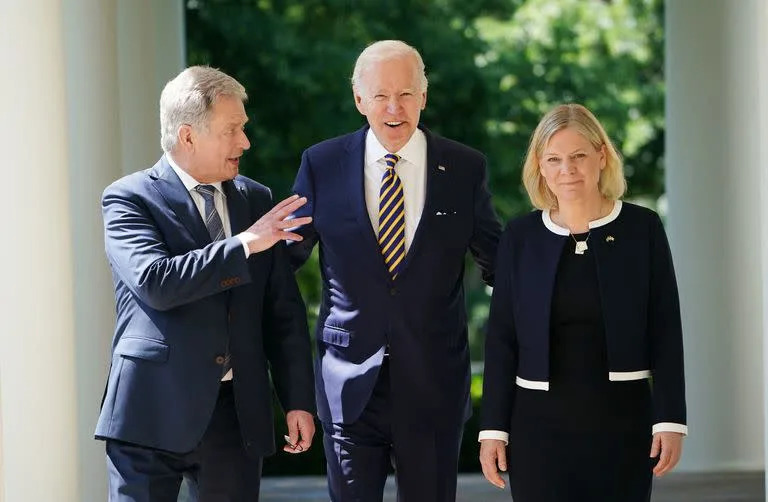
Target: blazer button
column 219, row 359
column 393, row 292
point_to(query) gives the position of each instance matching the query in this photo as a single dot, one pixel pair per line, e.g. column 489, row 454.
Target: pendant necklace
column 581, row 246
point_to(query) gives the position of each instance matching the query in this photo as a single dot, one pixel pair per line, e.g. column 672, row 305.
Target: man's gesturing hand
column 272, row 227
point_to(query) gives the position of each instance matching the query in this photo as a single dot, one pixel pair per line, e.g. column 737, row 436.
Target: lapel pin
column 609, row 239
column 442, row 168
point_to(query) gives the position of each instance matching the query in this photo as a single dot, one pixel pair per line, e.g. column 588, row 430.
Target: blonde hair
column 612, row 183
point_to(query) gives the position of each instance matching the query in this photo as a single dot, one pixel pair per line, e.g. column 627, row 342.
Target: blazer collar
column 546, row 217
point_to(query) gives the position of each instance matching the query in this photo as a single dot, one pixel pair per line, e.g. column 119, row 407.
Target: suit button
column 219, row 359
column 393, row 292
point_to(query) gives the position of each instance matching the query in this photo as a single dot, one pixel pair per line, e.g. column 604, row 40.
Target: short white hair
column 386, row 50
column 188, row 99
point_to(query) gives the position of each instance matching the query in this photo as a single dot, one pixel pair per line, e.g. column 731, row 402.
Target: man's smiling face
column 390, row 97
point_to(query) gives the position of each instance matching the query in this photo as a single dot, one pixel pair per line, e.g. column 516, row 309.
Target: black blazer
column 639, row 300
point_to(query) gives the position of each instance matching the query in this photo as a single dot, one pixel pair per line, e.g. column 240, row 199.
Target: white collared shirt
column 412, row 171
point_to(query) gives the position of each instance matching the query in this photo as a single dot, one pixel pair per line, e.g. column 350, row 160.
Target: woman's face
column 571, row 166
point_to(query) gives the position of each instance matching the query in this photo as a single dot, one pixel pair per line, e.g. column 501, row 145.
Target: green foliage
column 494, row 67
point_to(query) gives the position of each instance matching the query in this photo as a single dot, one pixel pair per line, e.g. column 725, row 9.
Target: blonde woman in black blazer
column 584, row 394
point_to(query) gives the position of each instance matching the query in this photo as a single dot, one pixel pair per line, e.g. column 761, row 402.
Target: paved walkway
column 732, row 487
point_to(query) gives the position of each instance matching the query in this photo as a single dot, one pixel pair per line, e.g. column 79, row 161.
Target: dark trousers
column 218, row 470
column 360, row 455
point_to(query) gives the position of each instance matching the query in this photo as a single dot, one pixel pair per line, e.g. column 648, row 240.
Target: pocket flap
column 335, row 336
column 142, row 348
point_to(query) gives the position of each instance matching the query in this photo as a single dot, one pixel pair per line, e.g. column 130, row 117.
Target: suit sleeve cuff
column 500, row 435
column 241, row 238
column 670, row 427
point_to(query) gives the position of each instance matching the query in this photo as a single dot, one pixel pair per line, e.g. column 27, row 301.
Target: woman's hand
column 668, row 446
column 493, row 457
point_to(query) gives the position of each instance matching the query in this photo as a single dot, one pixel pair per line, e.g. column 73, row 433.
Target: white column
column 39, row 410
column 90, row 44
column 151, row 51
column 66, row 112
column 117, row 59
column 715, row 159
column 762, row 41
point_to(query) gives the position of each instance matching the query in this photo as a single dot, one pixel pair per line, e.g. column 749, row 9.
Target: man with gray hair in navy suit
column 207, row 308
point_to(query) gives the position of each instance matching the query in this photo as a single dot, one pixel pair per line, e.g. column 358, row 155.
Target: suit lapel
column 237, row 206
column 353, row 169
column 433, row 182
column 178, row 199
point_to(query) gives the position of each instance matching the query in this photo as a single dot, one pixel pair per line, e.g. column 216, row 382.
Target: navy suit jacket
column 179, row 298
column 421, row 315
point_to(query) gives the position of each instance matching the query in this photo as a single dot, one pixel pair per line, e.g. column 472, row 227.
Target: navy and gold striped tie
column 391, row 217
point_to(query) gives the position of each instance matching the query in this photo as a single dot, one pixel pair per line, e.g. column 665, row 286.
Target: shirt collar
column 413, row 151
column 189, row 182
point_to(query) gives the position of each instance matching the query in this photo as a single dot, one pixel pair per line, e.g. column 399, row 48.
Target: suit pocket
column 143, row 348
column 335, row 336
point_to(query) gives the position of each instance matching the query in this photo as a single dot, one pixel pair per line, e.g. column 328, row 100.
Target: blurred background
column 679, row 85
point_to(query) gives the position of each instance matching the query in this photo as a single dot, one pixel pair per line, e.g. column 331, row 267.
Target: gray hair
column 386, row 50
column 188, row 99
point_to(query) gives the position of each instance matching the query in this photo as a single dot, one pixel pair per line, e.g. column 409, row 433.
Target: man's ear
column 359, row 103
column 186, row 137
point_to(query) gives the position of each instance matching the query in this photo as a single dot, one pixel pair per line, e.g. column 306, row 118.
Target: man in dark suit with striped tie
column 207, row 310
column 395, row 209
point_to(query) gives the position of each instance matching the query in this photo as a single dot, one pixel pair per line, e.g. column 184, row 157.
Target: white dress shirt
column 219, row 201
column 412, row 171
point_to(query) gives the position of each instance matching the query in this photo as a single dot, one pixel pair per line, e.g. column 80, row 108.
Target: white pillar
column 151, row 51
column 715, row 159
column 90, row 44
column 39, row 411
column 66, row 112
column 762, row 40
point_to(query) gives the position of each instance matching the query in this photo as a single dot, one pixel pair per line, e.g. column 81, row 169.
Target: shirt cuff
column 500, row 435
column 670, row 427
column 241, row 237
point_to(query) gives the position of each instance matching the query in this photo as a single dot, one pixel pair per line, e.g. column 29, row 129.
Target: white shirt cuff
column 670, row 427
column 241, row 237
column 500, row 435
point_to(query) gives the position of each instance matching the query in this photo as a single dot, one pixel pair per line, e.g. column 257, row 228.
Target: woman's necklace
column 581, row 246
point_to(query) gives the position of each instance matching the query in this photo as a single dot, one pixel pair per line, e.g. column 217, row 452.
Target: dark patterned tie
column 216, row 230
column 212, row 218
column 391, row 217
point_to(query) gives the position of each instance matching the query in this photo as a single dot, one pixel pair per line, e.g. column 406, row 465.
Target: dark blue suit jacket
column 421, row 315
column 640, row 305
column 179, row 298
